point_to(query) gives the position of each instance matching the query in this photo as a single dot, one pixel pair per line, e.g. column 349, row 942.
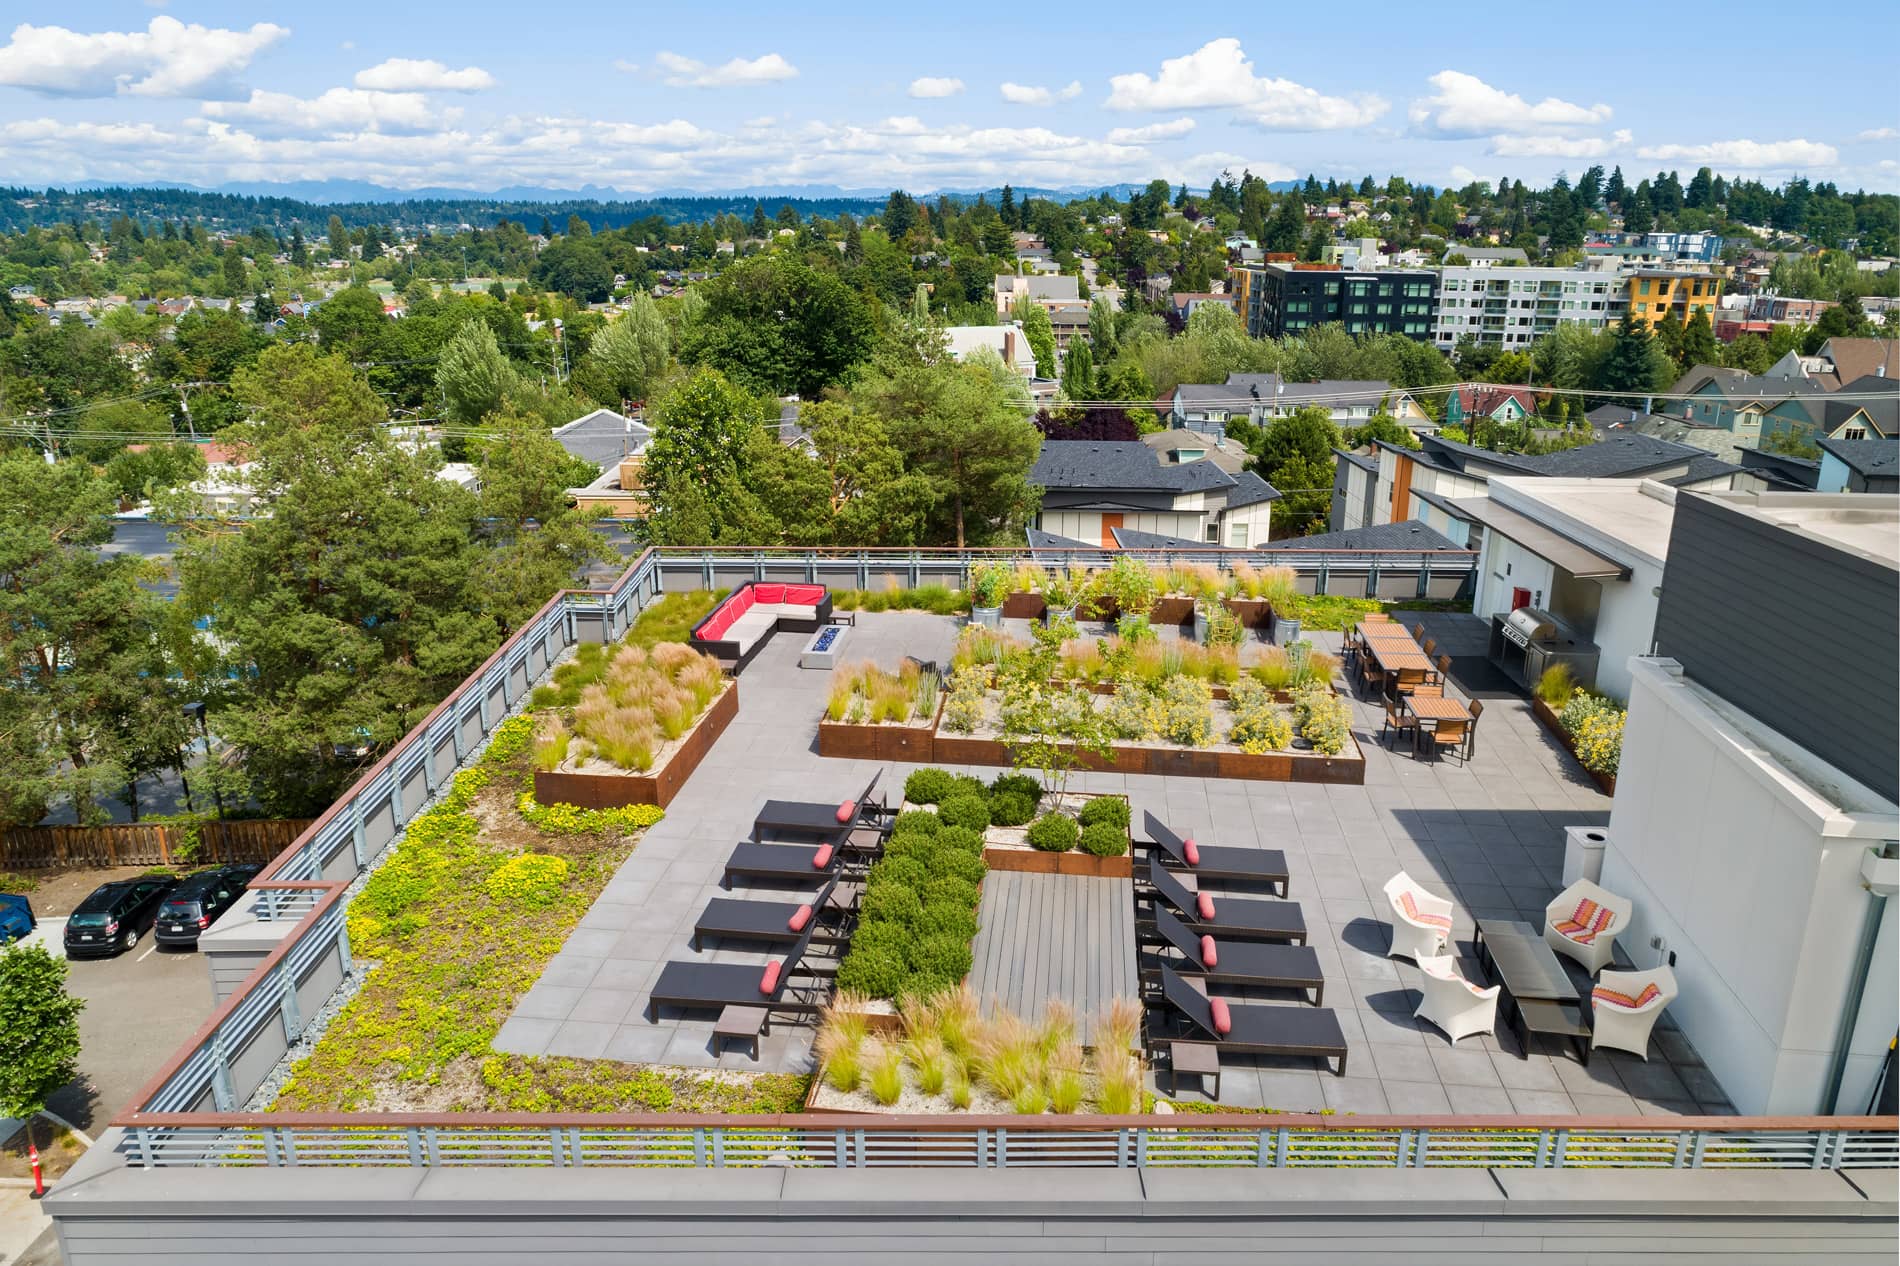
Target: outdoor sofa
column 739, row 627
column 1226, row 917
column 1239, row 1029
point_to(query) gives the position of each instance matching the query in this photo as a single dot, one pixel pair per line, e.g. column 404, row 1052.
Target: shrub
column 877, row 971
column 533, row 879
column 952, row 889
column 1130, row 712
column 1104, row 839
column 1556, row 685
column 1011, row 808
column 569, row 819
column 910, row 872
column 1111, row 809
column 1021, row 784
column 942, row 918
column 1595, row 726
column 965, row 811
column 960, row 839
column 1325, row 719
column 928, row 786
column 1054, row 833
column 948, row 957
column 968, row 867
column 969, row 689
column 891, row 903
column 922, row 847
column 510, row 739
column 967, row 785
column 895, row 937
column 1187, row 711
column 916, row 822
column 1260, row 730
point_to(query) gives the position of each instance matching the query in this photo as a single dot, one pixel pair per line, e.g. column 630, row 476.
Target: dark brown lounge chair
column 1259, row 865
column 1256, row 964
column 770, row 922
column 1231, row 919
column 783, row 861
column 802, row 817
column 702, row 986
column 1256, row 1030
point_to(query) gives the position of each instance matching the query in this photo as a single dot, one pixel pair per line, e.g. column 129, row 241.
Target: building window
column 1213, row 534
column 1854, row 433
column 1237, row 535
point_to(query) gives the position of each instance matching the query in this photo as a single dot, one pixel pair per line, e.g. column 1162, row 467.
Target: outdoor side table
column 1201, row 1059
column 744, row 1023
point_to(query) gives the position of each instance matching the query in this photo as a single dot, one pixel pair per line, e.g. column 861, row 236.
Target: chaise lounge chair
column 1227, row 918
column 783, row 861
column 703, row 986
column 1257, row 964
column 1208, row 861
column 775, row 922
column 1240, row 1029
column 804, row 817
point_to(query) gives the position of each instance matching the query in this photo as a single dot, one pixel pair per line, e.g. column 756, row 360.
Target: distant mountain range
column 359, row 191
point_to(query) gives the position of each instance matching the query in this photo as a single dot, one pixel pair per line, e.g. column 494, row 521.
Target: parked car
column 16, row 917
column 198, row 900
column 109, row 921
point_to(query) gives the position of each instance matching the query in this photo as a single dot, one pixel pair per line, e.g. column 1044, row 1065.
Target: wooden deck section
column 1054, row 936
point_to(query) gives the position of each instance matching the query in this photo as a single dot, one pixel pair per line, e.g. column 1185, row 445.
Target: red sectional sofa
column 738, row 627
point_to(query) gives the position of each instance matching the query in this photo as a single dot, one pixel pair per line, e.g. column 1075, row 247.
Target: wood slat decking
column 1054, row 936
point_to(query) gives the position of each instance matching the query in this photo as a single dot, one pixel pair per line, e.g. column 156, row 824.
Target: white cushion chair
column 1627, row 1005
column 1453, row 1003
column 1421, row 922
column 1583, row 922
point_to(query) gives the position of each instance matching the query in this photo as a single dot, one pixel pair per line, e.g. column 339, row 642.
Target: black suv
column 197, row 901
column 110, row 920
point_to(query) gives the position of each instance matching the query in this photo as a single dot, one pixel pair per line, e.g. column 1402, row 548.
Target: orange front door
column 1109, row 523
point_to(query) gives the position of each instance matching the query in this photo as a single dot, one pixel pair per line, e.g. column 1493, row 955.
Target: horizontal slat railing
column 818, row 1140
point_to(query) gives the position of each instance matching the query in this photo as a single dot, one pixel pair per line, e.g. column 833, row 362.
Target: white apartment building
column 1511, row 306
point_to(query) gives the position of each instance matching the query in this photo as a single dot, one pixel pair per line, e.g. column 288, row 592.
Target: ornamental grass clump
column 625, row 703
column 884, row 1072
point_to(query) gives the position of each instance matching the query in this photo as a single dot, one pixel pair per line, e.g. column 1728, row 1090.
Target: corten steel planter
column 656, row 786
column 1034, row 861
column 1100, row 608
column 1024, row 606
column 1171, row 610
column 1548, row 717
column 1253, row 613
column 884, row 741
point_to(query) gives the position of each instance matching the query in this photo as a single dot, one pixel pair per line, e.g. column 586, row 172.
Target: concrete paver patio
column 1487, row 834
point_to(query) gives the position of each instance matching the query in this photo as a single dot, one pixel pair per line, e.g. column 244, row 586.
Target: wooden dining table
column 1433, row 709
column 1395, row 656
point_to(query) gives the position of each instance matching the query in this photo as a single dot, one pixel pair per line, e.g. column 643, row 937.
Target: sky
column 638, row 97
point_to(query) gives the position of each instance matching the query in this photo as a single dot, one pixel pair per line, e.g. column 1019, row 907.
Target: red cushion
column 1205, row 904
column 740, row 603
column 1208, row 957
column 847, row 809
column 800, row 917
column 1191, row 851
column 769, row 593
column 822, row 858
column 1223, row 1019
column 804, row 595
column 715, row 628
column 768, row 983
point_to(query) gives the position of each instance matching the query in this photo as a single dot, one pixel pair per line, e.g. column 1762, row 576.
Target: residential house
column 1176, row 446
column 1756, row 806
column 1090, row 489
column 1185, row 302
column 1010, row 288
column 1777, row 472
column 1069, row 321
column 1281, row 299
column 616, row 444
column 1655, row 293
column 1007, row 341
column 1868, row 408
column 1260, row 398
column 1736, row 401
column 1509, row 307
column 1354, row 252
column 1859, row 465
column 1844, row 360
column 1488, row 257
column 1496, row 402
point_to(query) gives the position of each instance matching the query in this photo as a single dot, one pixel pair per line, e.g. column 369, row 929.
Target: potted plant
column 1064, row 592
column 989, row 585
column 1130, row 585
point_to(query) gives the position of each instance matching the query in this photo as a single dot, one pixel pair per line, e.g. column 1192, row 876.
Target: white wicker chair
column 1453, row 1003
column 1583, row 923
column 1627, row 1005
column 1421, row 922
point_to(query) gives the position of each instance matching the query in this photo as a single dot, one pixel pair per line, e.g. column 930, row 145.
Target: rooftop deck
column 1054, row 936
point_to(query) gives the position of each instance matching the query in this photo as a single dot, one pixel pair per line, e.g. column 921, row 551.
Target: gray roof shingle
column 1250, row 489
column 1408, row 534
column 1877, row 458
column 1124, row 465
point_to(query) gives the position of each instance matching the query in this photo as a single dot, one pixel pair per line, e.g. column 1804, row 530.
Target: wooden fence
column 44, row 847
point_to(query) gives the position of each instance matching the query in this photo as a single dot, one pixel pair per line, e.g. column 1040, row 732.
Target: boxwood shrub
column 951, row 888
column 895, row 937
column 944, row 956
column 907, row 871
column 877, row 971
column 1020, row 784
column 1011, row 808
column 960, row 839
column 967, row 785
column 921, row 847
column 891, row 903
column 965, row 811
column 928, row 786
column 1110, row 809
column 1054, row 833
column 920, row 821
column 1104, row 839
column 968, row 867
column 945, row 918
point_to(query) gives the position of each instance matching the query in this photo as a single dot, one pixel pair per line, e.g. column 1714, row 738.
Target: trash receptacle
column 1583, row 853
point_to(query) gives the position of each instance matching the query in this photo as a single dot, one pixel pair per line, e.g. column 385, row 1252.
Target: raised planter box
column 1253, row 613
column 884, row 741
column 1550, row 721
column 1074, row 862
column 1023, row 606
column 656, row 786
column 1171, row 610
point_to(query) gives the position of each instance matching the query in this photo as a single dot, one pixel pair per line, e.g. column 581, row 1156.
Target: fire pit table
column 822, row 650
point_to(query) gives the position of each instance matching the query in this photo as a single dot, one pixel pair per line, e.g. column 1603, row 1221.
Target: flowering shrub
column 511, row 738
column 528, row 878
column 571, row 819
column 964, row 708
column 1595, row 726
column 1131, row 712
column 1325, row 720
column 1186, row 711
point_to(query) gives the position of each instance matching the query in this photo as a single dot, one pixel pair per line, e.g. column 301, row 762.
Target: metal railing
column 818, row 1141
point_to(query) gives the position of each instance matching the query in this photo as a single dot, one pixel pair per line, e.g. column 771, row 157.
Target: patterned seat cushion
column 1604, row 995
column 1412, row 912
column 1588, row 922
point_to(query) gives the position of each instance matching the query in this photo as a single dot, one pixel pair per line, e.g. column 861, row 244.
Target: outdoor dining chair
column 1476, row 708
column 1397, row 721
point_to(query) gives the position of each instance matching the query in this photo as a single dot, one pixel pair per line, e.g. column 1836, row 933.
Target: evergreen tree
column 1006, row 209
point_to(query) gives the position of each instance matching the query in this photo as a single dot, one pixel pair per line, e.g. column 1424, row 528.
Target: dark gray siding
column 484, row 1217
column 1803, row 636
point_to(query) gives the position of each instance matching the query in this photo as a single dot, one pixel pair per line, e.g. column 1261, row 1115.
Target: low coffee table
column 1541, row 997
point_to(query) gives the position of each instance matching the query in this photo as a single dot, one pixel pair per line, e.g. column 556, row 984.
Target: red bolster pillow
column 1191, row 851
column 768, row 983
column 1208, row 957
column 769, row 593
column 800, row 917
column 847, row 809
column 1223, row 1018
column 822, row 858
column 1205, row 904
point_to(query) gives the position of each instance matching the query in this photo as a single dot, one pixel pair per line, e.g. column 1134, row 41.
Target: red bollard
column 39, row 1182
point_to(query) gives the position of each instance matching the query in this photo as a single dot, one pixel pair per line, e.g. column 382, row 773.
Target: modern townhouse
column 1260, row 398
column 1091, row 491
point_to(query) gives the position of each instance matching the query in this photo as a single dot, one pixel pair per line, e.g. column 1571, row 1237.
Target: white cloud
column 684, row 72
column 405, row 74
column 935, row 86
column 1467, row 106
column 1879, row 134
column 1030, row 95
column 167, row 59
column 338, row 110
column 1561, row 146
column 1218, row 74
column 1152, row 132
column 1764, row 155
column 1461, row 176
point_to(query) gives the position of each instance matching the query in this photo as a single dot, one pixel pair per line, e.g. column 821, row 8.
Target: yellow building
column 1655, row 293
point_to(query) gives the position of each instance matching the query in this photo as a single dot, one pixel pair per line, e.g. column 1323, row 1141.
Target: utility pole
column 184, row 406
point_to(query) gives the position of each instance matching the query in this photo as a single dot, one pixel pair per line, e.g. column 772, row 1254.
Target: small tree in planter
column 989, row 585
column 1130, row 584
column 39, row 1031
column 1053, row 731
